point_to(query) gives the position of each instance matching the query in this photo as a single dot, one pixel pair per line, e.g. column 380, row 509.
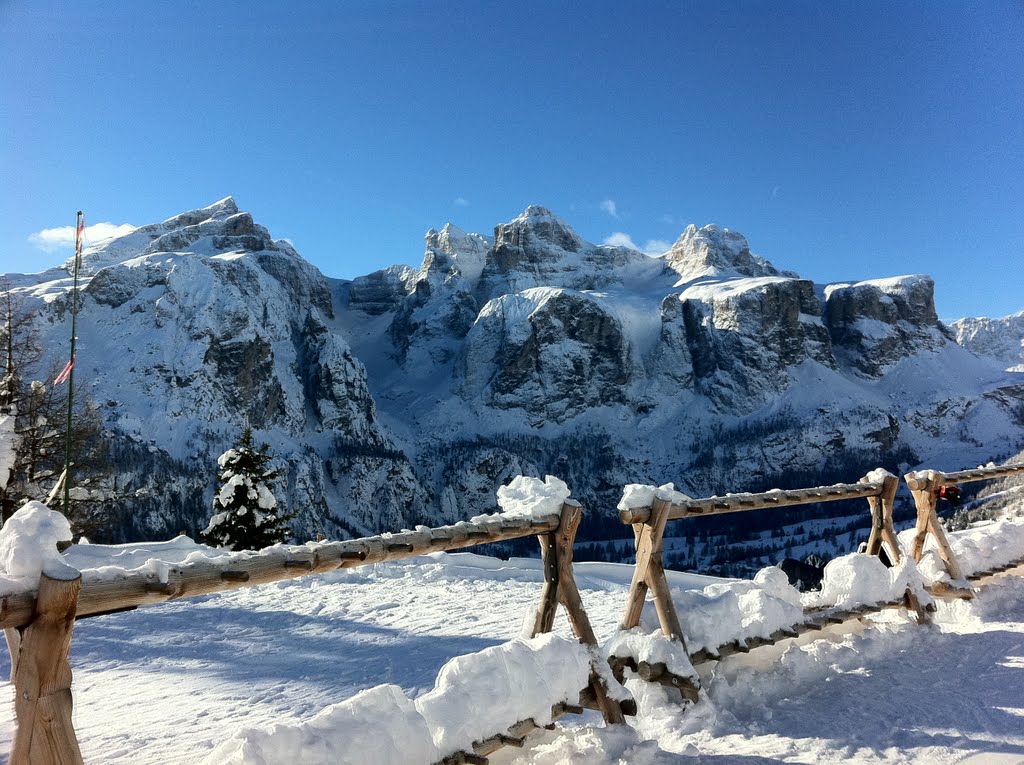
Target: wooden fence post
column 649, row 574
column 882, row 530
column 926, row 495
column 41, row 677
column 560, row 587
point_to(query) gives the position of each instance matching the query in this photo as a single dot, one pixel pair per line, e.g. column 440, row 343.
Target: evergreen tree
column 246, row 516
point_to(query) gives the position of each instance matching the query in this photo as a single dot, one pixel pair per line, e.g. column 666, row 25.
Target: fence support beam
column 883, row 532
column 41, row 676
column 649, row 575
column 925, row 491
column 560, row 587
column 882, row 529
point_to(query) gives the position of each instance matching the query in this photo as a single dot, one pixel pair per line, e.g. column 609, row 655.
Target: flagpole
column 79, row 229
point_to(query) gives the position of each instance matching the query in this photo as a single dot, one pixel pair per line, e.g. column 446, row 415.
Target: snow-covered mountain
column 412, row 393
column 191, row 328
column 710, row 367
column 1000, row 339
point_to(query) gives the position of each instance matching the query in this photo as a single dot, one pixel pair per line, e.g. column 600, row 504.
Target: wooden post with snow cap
column 882, row 529
column 924, row 487
column 41, row 676
column 884, row 532
column 560, row 587
column 649, row 575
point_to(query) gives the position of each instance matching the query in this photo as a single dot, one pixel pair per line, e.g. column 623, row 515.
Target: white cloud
column 651, row 246
column 608, row 205
column 656, row 246
column 620, row 239
column 63, row 237
column 461, row 202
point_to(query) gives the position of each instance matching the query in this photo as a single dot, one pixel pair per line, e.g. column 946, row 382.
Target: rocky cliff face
column 745, row 338
column 712, row 251
column 413, row 393
column 552, row 353
column 874, row 324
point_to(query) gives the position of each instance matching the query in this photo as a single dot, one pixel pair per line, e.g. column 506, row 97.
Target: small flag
column 65, row 373
column 79, row 233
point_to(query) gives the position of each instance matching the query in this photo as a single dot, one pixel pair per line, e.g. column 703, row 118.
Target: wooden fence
column 880, row 492
column 925, row 486
column 649, row 574
column 38, row 624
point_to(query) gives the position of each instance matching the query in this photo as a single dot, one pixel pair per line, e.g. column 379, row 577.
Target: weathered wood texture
column 882, row 529
column 884, row 533
column 924, row 487
column 560, row 587
column 99, row 595
column 740, row 502
column 41, row 675
column 925, row 491
column 816, row 622
column 649, row 529
column 515, row 736
column 649, row 576
column 963, row 476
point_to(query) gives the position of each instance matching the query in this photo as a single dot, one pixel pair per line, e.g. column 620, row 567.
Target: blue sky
column 845, row 140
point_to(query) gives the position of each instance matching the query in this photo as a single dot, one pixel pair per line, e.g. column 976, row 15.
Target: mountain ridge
column 410, row 394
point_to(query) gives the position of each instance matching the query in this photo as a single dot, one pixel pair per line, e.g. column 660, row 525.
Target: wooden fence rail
column 879, row 490
column 101, row 594
column 735, row 503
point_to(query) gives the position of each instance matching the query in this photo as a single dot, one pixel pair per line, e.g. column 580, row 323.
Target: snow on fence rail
column 685, row 507
column 854, row 585
column 108, row 590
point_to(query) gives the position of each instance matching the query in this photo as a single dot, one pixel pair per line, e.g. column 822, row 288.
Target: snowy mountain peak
column 195, row 326
column 453, row 249
column 225, row 232
column 714, row 251
column 222, row 208
column 205, row 231
column 218, row 228
column 1001, row 339
column 538, row 226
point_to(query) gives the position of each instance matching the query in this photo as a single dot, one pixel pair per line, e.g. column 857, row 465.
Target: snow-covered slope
column 413, row 393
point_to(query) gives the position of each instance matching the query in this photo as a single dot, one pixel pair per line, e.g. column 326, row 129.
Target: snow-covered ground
column 167, row 684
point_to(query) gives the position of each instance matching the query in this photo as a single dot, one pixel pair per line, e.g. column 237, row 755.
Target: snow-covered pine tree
column 246, row 516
